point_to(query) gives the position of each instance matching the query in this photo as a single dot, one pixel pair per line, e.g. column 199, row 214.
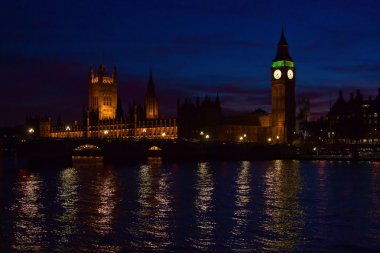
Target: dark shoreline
column 121, row 151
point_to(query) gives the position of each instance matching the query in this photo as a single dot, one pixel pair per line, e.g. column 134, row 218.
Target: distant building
column 198, row 119
column 204, row 119
column 303, row 117
column 283, row 93
column 102, row 95
column 151, row 101
column 105, row 117
column 355, row 121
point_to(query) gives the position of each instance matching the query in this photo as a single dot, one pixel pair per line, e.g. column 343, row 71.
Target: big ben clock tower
column 283, row 93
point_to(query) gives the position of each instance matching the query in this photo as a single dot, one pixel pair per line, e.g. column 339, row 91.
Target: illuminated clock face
column 277, row 74
column 290, row 74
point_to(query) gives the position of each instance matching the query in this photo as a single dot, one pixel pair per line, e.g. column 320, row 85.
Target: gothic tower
column 151, row 101
column 102, row 93
column 283, row 93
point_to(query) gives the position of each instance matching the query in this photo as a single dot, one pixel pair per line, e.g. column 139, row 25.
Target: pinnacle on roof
column 282, row 49
column 150, row 83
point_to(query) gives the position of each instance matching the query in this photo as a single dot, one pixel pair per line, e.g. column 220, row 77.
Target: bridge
column 112, row 149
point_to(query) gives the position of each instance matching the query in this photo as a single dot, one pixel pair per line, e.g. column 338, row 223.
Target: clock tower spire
column 283, row 93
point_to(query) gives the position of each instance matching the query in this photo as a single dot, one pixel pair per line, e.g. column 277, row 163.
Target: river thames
column 154, row 205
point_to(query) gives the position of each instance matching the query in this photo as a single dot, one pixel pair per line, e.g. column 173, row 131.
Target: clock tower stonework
column 283, row 94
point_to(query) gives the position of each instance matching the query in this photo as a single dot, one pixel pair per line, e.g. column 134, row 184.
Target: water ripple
column 29, row 223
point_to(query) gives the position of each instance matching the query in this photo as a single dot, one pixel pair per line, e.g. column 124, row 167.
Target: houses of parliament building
column 104, row 116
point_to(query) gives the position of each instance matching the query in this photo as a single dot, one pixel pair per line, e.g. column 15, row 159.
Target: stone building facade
column 104, row 117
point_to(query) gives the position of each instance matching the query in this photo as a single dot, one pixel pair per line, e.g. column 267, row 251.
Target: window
column 107, row 100
column 94, row 101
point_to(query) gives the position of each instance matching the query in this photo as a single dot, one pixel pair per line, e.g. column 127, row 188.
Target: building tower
column 283, row 93
column 102, row 93
column 151, row 101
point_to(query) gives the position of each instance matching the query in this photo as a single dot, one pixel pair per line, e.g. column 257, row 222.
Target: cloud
column 362, row 68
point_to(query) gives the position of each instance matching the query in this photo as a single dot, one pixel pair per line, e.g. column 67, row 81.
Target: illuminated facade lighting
column 277, row 64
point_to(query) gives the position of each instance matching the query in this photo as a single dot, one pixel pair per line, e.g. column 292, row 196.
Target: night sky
column 195, row 48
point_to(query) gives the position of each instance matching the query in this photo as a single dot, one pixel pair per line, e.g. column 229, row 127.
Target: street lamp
column 269, row 140
column 31, row 130
column 207, row 136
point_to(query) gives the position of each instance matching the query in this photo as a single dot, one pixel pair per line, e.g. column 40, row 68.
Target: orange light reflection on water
column 284, row 217
column 204, row 208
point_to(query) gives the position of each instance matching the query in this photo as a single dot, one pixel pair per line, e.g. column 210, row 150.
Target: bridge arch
column 87, row 150
column 87, row 147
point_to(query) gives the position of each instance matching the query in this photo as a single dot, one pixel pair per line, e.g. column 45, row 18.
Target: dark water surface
column 198, row 206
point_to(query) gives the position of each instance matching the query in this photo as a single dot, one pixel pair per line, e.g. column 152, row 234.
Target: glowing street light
column 241, row 138
column 207, row 136
column 31, row 130
column 68, row 128
column 277, row 137
column 163, row 134
column 105, row 132
column 244, row 135
column 269, row 139
column 201, row 133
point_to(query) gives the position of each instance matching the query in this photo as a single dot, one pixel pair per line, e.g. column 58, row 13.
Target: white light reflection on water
column 239, row 241
column 375, row 187
column 68, row 198
column 98, row 201
column 204, row 221
column 153, row 230
column 29, row 221
column 375, row 195
column 107, row 202
column 323, row 191
column 284, row 218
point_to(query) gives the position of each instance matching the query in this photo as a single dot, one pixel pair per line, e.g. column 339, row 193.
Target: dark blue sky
column 195, row 48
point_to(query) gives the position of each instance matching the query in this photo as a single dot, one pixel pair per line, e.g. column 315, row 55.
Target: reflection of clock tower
column 283, row 93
